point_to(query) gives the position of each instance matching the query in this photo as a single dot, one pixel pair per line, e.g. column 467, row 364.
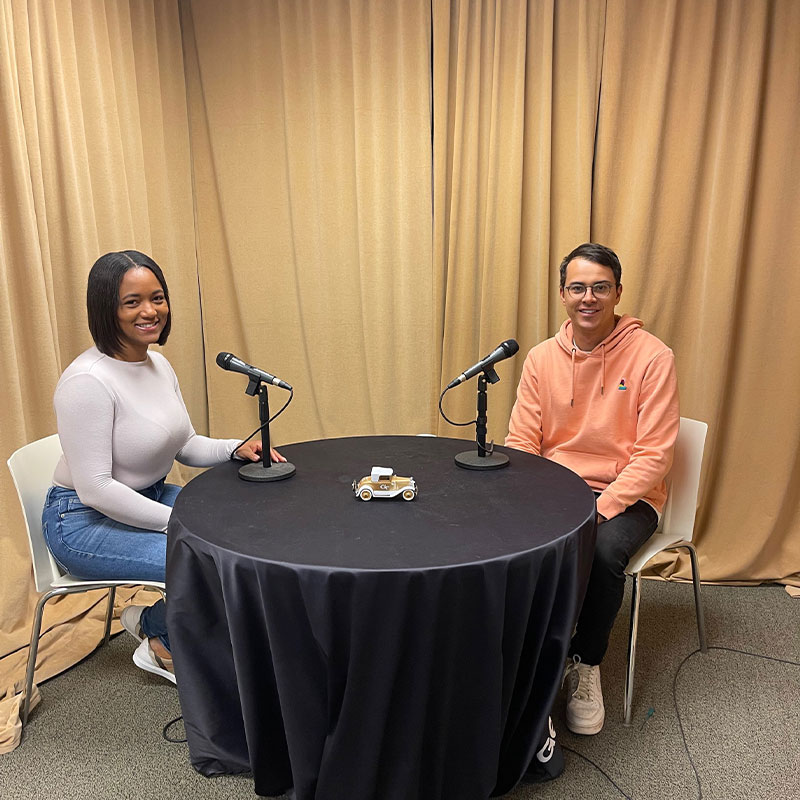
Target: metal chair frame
column 32, row 470
column 675, row 531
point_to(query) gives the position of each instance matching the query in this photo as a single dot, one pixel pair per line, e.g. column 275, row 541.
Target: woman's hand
column 251, row 451
column 275, row 455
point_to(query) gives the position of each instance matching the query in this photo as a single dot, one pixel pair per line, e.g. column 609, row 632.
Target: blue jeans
column 617, row 540
column 92, row 546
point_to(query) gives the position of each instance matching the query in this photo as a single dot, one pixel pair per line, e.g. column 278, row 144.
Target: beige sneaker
column 585, row 710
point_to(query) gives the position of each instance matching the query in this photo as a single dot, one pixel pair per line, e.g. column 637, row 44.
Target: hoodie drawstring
column 602, row 371
column 624, row 326
column 572, row 391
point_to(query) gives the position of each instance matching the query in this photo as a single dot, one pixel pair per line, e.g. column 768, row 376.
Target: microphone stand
column 482, row 459
column 266, row 469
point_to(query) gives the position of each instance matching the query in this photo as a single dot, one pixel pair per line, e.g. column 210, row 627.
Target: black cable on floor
column 678, row 714
column 168, row 726
column 675, row 697
column 598, row 768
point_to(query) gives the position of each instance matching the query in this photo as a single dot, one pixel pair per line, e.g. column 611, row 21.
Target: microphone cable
column 441, row 411
column 678, row 714
column 264, row 425
column 488, row 450
column 166, row 728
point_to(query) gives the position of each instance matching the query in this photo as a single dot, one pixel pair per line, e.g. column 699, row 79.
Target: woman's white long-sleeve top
column 121, row 425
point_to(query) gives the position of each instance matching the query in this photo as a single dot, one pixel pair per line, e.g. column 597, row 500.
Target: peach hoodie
column 610, row 415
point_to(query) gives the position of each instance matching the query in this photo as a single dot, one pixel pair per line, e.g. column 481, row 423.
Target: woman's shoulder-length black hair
column 102, row 297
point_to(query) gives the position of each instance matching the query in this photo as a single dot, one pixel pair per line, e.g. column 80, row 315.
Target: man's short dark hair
column 597, row 253
column 102, row 297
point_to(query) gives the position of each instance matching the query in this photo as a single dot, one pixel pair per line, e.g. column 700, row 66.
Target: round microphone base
column 257, row 472
column 470, row 459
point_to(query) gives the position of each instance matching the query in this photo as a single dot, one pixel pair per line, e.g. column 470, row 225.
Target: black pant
column 617, row 540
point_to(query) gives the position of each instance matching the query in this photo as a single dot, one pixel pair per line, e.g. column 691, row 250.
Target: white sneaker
column 131, row 619
column 146, row 659
column 585, row 710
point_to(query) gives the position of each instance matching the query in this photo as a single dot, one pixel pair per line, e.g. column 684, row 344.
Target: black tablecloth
column 383, row 649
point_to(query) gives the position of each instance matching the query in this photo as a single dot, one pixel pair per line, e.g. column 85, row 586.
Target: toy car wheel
column 366, row 494
column 409, row 494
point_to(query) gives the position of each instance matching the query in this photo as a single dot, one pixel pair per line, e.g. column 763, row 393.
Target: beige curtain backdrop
column 515, row 94
column 366, row 197
column 310, row 127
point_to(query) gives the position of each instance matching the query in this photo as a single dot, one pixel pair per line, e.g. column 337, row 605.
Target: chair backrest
column 683, row 481
column 32, row 470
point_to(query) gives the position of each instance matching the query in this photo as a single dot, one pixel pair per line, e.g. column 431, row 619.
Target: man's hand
column 601, row 519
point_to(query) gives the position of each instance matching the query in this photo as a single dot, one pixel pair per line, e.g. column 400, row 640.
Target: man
column 601, row 398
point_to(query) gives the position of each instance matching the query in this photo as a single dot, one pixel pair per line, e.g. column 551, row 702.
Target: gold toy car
column 382, row 482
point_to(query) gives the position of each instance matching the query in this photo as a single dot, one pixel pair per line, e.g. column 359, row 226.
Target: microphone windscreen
column 510, row 346
column 223, row 359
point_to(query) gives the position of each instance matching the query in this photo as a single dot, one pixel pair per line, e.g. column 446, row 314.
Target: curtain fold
column 311, row 143
column 515, row 89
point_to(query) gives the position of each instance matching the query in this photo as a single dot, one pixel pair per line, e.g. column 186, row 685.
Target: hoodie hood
column 626, row 324
column 623, row 330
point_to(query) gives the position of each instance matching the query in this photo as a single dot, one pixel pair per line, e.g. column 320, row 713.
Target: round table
column 383, row 649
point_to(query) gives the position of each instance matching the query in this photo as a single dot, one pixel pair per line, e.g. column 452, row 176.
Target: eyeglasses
column 601, row 290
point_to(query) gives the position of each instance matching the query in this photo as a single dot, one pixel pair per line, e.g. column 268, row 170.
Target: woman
column 122, row 422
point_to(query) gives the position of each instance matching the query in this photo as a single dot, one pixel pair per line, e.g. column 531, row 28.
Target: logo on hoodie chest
column 622, row 387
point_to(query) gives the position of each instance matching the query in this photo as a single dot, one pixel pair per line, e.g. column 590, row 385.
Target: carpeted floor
column 98, row 731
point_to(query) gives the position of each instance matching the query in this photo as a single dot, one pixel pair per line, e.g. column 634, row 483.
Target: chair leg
column 33, row 651
column 698, row 603
column 634, row 627
column 112, row 593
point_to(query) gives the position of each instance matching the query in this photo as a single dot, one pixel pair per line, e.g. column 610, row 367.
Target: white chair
column 32, row 470
column 675, row 530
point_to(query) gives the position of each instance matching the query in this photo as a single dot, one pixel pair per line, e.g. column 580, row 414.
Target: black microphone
column 502, row 351
column 230, row 362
